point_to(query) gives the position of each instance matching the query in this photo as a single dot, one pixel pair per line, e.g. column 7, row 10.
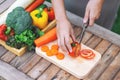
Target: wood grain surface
column 30, row 66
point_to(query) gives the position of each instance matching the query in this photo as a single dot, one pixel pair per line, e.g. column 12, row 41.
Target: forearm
column 60, row 13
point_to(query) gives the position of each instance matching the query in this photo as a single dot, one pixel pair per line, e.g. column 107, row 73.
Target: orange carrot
column 54, row 51
column 44, row 48
column 60, row 56
column 48, row 53
column 55, row 46
column 34, row 5
column 46, row 38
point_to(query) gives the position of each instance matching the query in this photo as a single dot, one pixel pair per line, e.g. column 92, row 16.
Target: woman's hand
column 64, row 34
column 93, row 10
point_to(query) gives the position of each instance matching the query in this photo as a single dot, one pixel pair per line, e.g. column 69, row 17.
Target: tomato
column 87, row 53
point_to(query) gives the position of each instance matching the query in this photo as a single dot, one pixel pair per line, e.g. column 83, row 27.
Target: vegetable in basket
column 40, row 19
column 19, row 20
column 2, row 32
column 26, row 38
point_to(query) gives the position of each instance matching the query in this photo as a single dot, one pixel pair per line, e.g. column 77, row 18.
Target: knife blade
column 85, row 25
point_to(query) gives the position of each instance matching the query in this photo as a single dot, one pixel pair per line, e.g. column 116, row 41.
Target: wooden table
column 30, row 66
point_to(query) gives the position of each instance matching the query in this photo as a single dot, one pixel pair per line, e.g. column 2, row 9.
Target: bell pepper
column 50, row 11
column 40, row 18
column 41, row 7
column 3, row 28
column 75, row 51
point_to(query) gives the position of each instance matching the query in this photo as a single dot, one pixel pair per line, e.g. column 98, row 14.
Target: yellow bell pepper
column 40, row 18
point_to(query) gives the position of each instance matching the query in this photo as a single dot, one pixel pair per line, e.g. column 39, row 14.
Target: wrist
column 98, row 0
column 61, row 18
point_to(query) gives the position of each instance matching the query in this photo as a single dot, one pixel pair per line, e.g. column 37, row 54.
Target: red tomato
column 87, row 53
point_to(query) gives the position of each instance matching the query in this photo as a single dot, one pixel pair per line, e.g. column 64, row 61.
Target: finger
column 58, row 41
column 67, row 42
column 86, row 17
column 62, row 43
column 92, row 19
column 72, row 35
column 97, row 16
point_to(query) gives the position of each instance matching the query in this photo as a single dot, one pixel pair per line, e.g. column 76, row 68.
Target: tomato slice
column 87, row 53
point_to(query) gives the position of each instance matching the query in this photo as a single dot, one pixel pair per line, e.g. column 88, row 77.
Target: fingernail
column 84, row 20
column 70, row 50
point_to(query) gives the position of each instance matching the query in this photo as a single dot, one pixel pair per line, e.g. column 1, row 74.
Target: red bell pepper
column 87, row 54
column 51, row 14
column 3, row 28
column 75, row 51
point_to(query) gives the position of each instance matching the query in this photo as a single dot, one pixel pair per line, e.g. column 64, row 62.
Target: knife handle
column 85, row 25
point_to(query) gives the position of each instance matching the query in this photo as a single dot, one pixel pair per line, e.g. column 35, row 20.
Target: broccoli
column 19, row 20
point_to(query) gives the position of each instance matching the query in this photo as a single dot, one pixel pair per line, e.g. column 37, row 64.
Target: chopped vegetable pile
column 53, row 51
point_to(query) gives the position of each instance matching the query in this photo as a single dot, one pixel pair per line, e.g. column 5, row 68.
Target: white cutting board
column 78, row 67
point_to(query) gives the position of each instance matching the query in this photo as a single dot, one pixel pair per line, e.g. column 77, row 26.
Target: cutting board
column 79, row 67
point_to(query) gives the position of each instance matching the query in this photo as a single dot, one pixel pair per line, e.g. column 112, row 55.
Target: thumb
column 86, row 17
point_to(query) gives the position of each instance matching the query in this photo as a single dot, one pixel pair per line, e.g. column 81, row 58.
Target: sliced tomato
column 87, row 53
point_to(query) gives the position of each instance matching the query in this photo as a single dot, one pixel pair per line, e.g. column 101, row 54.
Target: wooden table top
column 30, row 66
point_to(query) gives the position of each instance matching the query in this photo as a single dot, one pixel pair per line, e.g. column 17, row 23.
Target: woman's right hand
column 64, row 34
column 64, row 28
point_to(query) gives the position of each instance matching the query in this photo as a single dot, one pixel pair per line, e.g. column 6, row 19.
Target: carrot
column 55, row 46
column 46, row 38
column 48, row 53
column 54, row 51
column 34, row 5
column 60, row 56
column 44, row 48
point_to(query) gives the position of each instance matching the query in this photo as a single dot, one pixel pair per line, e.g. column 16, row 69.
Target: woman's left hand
column 93, row 10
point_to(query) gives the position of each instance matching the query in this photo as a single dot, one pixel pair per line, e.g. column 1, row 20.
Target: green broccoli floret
column 19, row 20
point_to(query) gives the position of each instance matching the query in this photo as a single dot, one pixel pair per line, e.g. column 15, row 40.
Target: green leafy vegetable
column 7, row 32
column 26, row 38
column 25, row 33
column 19, row 20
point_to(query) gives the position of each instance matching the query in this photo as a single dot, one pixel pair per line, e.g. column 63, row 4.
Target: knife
column 5, row 4
column 85, row 25
column 78, row 46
